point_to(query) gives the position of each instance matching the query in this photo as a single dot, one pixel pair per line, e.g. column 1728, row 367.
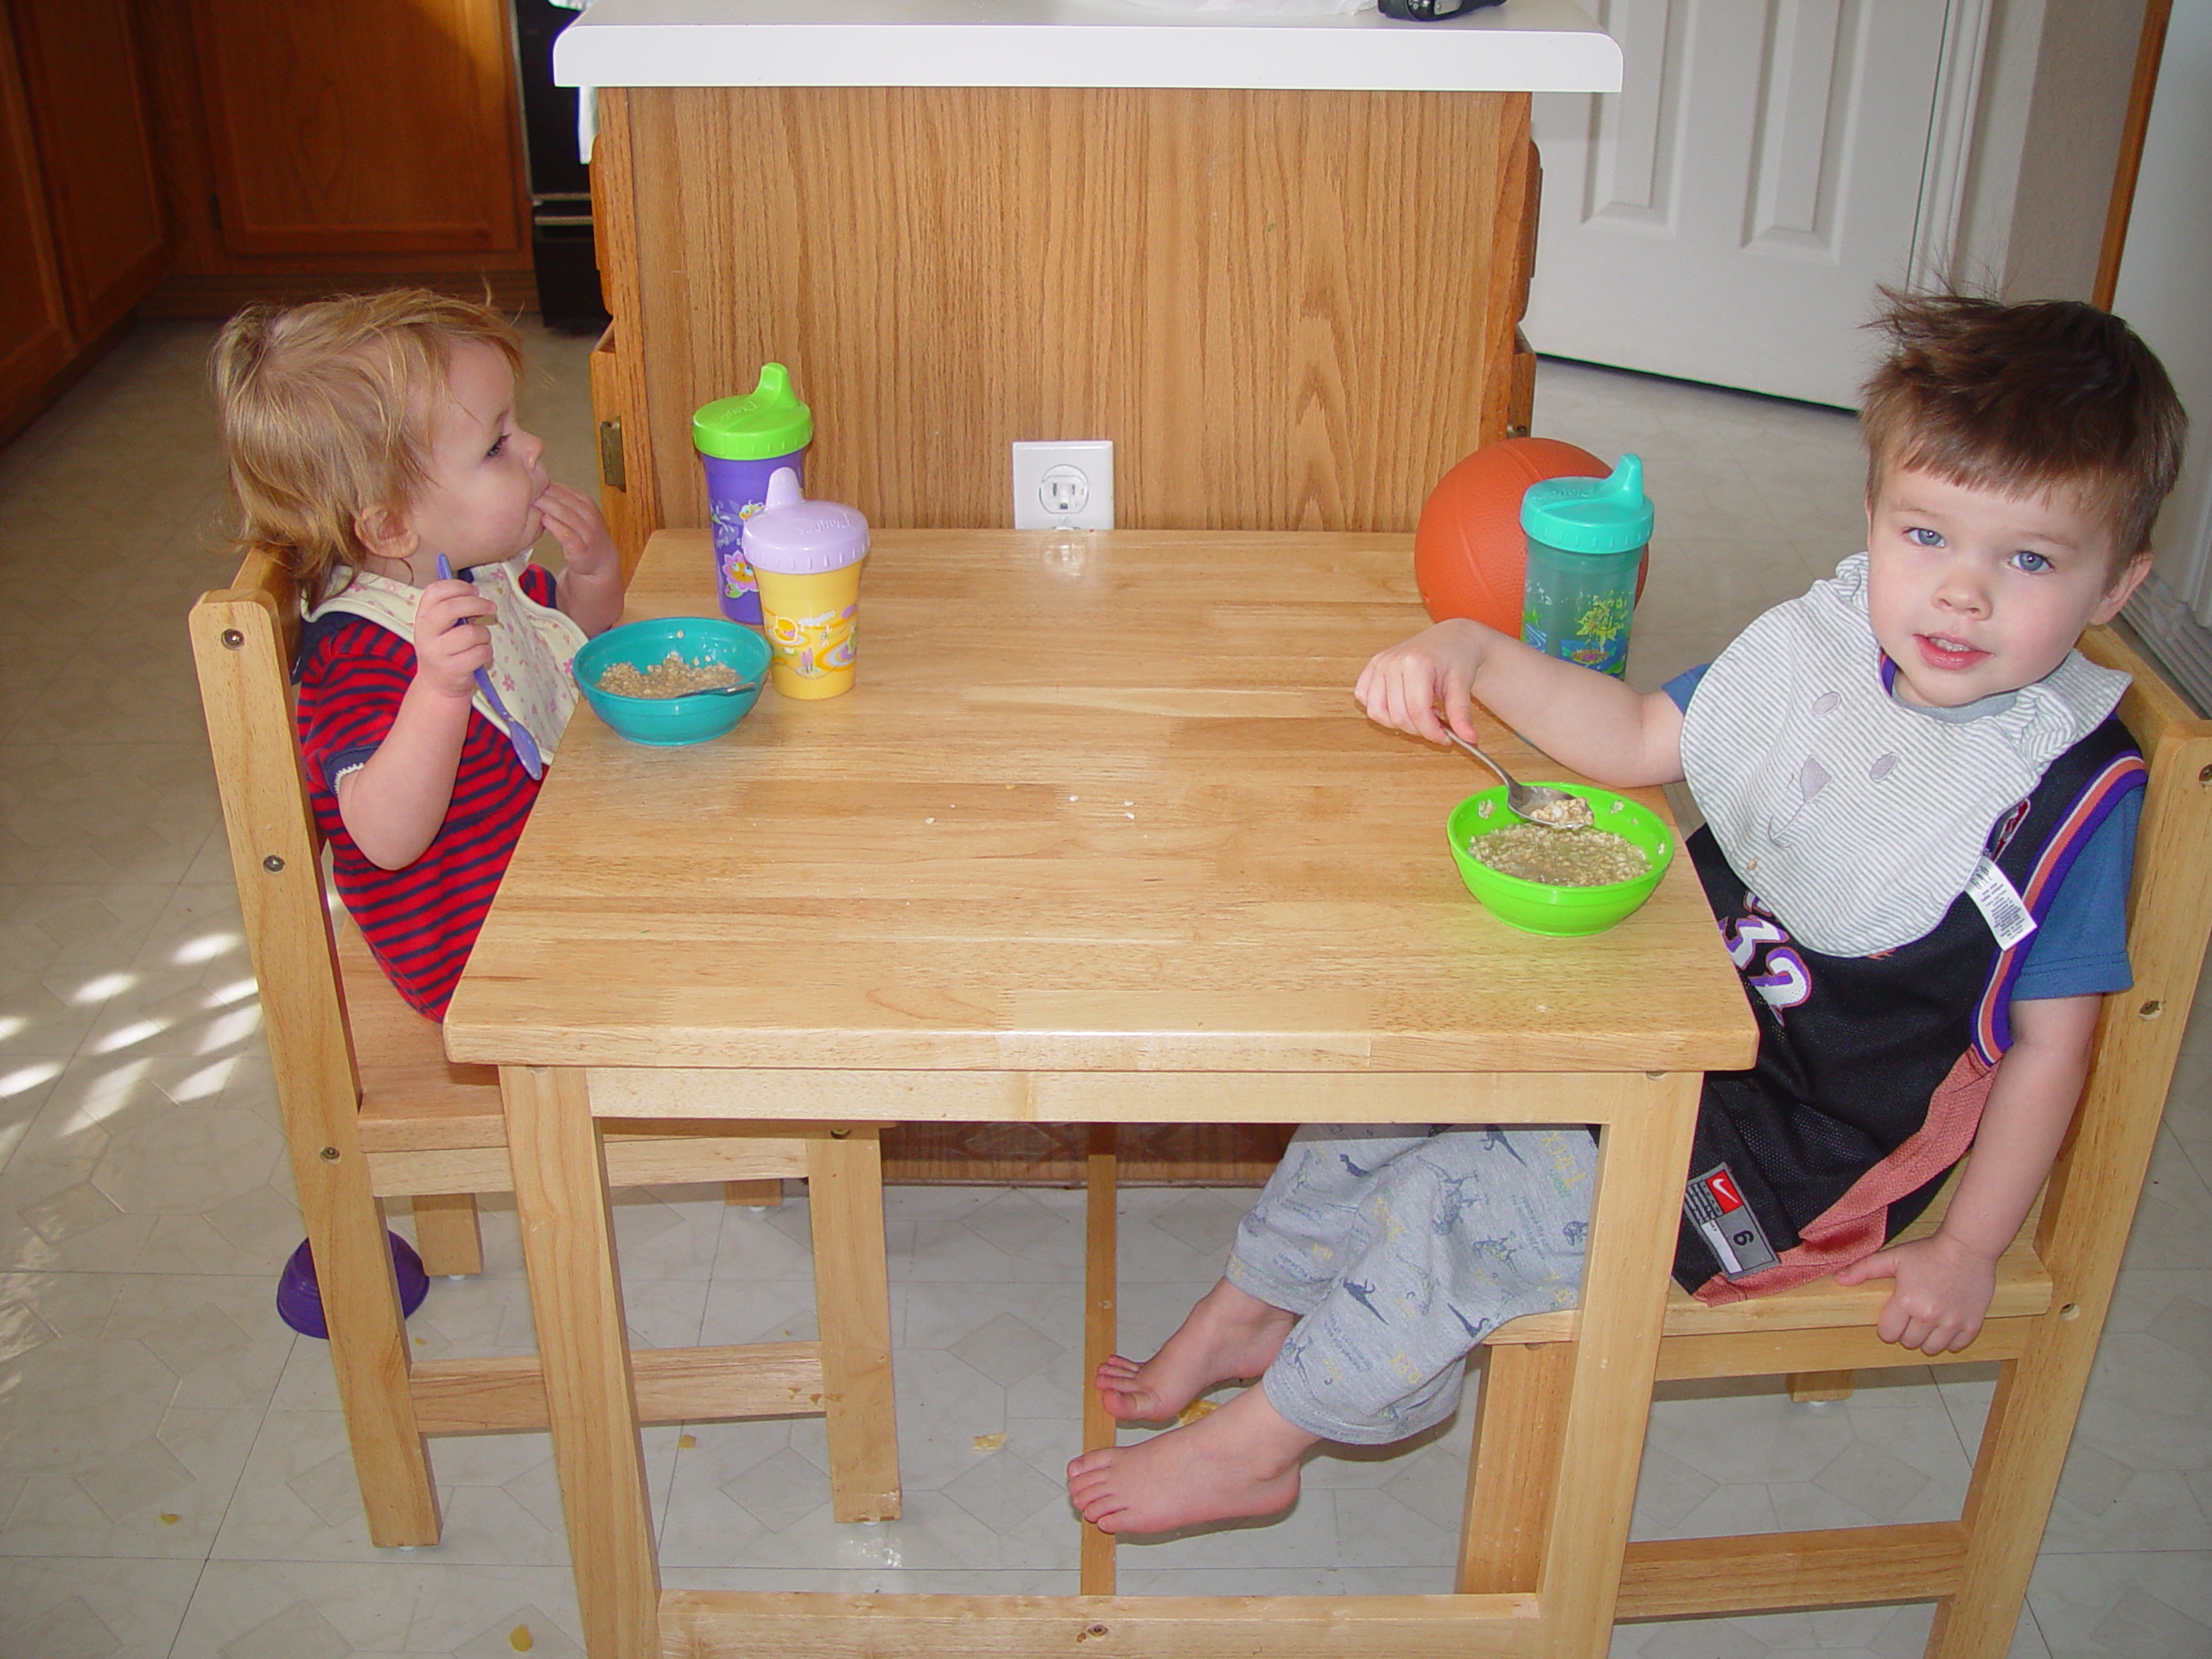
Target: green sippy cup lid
column 767, row 422
column 1590, row 515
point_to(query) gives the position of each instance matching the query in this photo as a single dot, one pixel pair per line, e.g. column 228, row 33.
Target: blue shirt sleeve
column 2081, row 950
column 1685, row 683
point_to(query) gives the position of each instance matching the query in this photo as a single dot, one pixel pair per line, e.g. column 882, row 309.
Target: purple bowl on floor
column 299, row 1298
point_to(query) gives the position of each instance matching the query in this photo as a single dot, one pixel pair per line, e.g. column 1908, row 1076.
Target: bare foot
column 1230, row 1333
column 1241, row 1461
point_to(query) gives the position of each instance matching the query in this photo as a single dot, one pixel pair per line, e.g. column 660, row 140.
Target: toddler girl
column 373, row 447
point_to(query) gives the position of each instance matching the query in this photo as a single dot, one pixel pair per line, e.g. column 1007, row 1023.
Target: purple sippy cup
column 742, row 443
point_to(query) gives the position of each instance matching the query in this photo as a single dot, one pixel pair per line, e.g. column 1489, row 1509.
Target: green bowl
column 1539, row 907
column 667, row 723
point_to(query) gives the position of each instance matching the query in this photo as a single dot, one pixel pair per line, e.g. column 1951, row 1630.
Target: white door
column 1725, row 216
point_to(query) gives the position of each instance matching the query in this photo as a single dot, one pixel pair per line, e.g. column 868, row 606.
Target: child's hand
column 1942, row 1291
column 449, row 644
column 573, row 517
column 1403, row 686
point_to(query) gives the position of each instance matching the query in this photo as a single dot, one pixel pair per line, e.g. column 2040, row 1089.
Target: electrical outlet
column 1064, row 486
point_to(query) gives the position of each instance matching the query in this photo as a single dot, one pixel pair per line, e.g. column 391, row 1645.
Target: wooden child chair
column 2054, row 1287
column 374, row 1110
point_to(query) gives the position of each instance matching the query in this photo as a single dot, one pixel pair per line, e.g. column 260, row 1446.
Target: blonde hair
column 2026, row 399
column 325, row 413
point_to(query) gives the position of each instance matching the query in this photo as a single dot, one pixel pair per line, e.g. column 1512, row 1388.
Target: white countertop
column 1542, row 46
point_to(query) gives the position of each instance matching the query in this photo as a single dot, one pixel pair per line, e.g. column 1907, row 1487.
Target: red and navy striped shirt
column 420, row 922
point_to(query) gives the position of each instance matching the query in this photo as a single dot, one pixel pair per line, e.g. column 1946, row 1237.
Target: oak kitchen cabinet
column 309, row 146
column 80, row 212
column 181, row 157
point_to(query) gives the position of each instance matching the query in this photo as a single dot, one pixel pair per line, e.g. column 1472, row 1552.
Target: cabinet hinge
column 611, row 472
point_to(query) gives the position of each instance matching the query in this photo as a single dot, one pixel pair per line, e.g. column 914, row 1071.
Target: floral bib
column 531, row 644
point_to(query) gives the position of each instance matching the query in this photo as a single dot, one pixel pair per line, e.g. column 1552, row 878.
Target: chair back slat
column 2152, row 705
column 2098, row 1177
column 241, row 640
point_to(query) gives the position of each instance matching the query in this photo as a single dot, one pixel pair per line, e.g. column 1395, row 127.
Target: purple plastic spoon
column 518, row 734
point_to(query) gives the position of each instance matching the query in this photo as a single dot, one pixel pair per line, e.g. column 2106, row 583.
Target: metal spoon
column 1538, row 803
column 725, row 690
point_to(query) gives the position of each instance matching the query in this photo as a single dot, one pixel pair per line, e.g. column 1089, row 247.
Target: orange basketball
column 1469, row 554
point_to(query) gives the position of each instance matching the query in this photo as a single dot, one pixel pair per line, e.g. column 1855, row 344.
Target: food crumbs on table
column 169, row 1520
column 990, row 1442
column 671, row 677
column 1196, row 1409
column 685, row 1442
column 520, row 1639
column 1560, row 858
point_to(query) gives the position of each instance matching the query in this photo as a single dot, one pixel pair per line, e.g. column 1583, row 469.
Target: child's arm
column 1591, row 721
column 393, row 805
column 590, row 589
column 1944, row 1281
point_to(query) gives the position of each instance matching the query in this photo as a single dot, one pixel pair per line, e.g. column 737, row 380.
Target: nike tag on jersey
column 1717, row 1210
column 1999, row 904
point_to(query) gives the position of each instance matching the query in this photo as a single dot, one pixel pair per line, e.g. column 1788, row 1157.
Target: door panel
column 34, row 332
column 80, row 73
column 340, row 127
column 1725, row 217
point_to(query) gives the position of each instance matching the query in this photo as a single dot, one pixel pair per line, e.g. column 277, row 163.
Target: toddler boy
column 1920, row 822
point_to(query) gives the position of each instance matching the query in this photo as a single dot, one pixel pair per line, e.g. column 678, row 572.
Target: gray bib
column 1857, row 819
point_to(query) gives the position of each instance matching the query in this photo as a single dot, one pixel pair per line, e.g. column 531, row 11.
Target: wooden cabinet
column 1288, row 309
column 33, row 329
column 313, row 145
column 347, row 129
column 80, row 75
column 80, row 224
column 181, row 157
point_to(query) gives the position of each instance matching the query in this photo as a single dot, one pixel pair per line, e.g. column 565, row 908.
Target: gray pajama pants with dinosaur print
column 1399, row 1246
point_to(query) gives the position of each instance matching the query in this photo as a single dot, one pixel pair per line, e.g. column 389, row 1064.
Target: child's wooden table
column 1100, row 837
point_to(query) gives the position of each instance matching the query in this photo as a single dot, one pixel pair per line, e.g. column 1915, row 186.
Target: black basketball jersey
column 1871, row 1070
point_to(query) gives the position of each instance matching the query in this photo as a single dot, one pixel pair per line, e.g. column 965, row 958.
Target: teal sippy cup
column 1586, row 537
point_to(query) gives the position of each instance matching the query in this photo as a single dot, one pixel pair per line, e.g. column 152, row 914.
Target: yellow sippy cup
column 806, row 557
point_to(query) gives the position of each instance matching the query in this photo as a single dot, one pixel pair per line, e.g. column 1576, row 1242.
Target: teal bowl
column 1539, row 907
column 668, row 722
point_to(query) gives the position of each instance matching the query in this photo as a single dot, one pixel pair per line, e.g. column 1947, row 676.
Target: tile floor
column 174, row 1480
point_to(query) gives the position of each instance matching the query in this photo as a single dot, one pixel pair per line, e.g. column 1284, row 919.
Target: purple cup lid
column 791, row 536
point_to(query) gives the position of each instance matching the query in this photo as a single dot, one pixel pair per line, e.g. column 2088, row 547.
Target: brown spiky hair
column 325, row 410
column 2027, row 400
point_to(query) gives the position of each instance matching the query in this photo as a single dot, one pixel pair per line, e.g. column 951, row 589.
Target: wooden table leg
column 852, row 1299
column 1641, row 1157
column 567, row 1241
column 1514, row 1472
column 1101, row 1290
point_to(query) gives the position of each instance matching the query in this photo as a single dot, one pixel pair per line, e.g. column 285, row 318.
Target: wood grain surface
column 696, row 1624
column 82, row 65
column 339, row 131
column 1097, row 803
column 1287, row 310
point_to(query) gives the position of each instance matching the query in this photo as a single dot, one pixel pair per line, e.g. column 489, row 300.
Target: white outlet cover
column 1064, row 486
